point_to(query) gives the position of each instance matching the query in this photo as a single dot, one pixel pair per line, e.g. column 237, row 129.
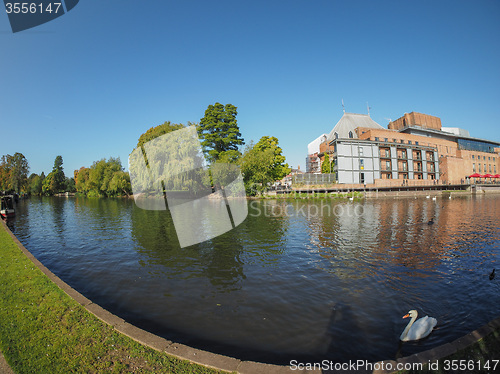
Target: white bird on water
column 428, row 196
column 434, row 197
column 419, row 329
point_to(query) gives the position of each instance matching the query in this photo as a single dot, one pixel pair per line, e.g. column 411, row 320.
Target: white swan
column 419, row 329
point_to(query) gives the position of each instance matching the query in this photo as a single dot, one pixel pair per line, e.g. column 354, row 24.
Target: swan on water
column 419, row 329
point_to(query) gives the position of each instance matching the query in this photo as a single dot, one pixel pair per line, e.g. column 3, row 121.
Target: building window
column 490, row 168
column 361, row 164
column 409, row 141
column 479, row 166
column 473, row 167
column 386, row 140
column 376, row 139
column 494, row 169
column 350, row 135
column 484, row 158
column 360, row 150
column 387, row 165
column 485, row 170
column 488, row 158
column 402, row 141
column 416, row 143
column 336, row 136
column 473, row 157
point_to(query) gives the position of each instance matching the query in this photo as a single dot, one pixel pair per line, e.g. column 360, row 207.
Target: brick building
column 414, row 147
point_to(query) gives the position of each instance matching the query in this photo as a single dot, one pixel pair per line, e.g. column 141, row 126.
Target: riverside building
column 413, row 148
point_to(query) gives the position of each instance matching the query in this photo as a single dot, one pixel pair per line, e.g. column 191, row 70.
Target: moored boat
column 7, row 208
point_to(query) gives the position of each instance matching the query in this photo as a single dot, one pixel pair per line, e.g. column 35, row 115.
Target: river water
column 298, row 279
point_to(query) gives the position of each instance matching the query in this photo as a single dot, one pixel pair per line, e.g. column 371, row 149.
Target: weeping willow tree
column 168, row 158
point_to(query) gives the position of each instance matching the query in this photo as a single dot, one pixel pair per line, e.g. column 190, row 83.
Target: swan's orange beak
column 406, row 316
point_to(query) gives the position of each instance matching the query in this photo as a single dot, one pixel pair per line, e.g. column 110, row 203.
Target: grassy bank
column 42, row 330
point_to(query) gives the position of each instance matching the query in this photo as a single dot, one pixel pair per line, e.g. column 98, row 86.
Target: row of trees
column 174, row 163
column 261, row 163
column 103, row 178
column 14, row 177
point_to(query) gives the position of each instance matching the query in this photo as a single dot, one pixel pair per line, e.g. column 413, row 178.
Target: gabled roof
column 349, row 122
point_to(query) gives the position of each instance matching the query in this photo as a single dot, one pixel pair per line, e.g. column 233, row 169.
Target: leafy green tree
column 262, row 164
column 219, row 132
column 279, row 169
column 55, row 182
column 103, row 178
column 172, row 164
column 48, row 185
column 326, row 166
column 159, row 130
column 70, row 184
column 35, row 182
column 120, row 184
column 14, row 173
column 81, row 180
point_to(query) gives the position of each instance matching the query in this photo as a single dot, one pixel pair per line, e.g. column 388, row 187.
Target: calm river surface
column 298, row 279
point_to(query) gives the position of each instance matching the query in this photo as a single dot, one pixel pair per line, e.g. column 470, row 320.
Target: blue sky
column 88, row 84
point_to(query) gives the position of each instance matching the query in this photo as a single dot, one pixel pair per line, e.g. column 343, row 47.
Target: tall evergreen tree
column 56, row 180
column 219, row 132
column 59, row 178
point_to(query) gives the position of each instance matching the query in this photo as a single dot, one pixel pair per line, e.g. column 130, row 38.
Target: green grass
column 43, row 330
